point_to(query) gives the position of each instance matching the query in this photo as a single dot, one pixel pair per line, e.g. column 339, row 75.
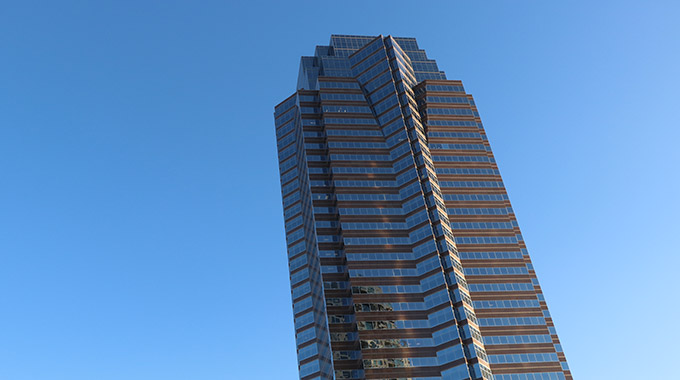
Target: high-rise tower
column 406, row 261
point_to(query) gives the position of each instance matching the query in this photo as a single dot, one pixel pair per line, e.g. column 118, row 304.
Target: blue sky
column 141, row 233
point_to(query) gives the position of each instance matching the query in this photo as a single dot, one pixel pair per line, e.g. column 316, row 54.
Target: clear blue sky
column 141, row 233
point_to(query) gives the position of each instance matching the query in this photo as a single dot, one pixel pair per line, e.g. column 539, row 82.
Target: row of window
column 378, row 241
column 421, row 76
column 447, row 99
column 307, row 352
column 304, row 320
column 353, row 132
column 349, row 121
column 338, row 301
column 449, row 111
column 386, row 289
column 301, row 290
column 299, row 276
column 317, row 183
column 385, row 104
column 329, row 253
column 297, row 248
column 344, row 337
column 368, row 197
column 491, row 184
column 287, row 164
column 333, row 269
column 359, row 157
column 328, row 84
column 482, row 225
column 308, row 98
column 444, row 356
column 462, row 159
column 307, row 122
column 444, row 88
column 316, row 157
column 513, row 321
column 517, row 339
column 346, row 355
column 495, row 271
column 400, row 362
column 370, row 74
column 289, row 188
column 461, row 135
column 284, row 106
column 310, row 110
column 458, row 146
column 337, row 72
column 326, row 224
column 343, row 108
column 370, row 211
column 475, row 197
column 309, row 368
column 315, row 146
column 380, row 256
column 377, row 56
column 356, row 145
column 298, row 263
column 524, row 358
column 486, row 239
column 506, row 304
column 313, row 134
column 377, row 82
column 285, row 117
column 283, row 142
column 382, row 93
column 313, row 170
column 348, row 374
column 490, row 255
column 531, row 376
column 305, row 335
column 371, row 344
column 324, row 210
column 509, row 287
column 393, row 126
column 389, row 306
column 397, row 272
column 425, row 66
column 336, row 96
column 335, row 285
column 374, row 226
column 287, row 152
column 480, row 211
column 341, row 319
column 471, row 171
column 284, row 131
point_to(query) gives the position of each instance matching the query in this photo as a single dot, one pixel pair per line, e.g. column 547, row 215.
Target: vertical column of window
column 312, row 335
column 339, row 302
column 371, row 69
column 465, row 316
column 518, row 234
column 347, row 354
column 324, row 202
column 525, row 253
column 312, row 120
column 380, row 89
column 457, row 90
column 393, row 126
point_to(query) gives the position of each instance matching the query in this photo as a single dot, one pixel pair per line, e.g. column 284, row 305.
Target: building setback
column 406, row 261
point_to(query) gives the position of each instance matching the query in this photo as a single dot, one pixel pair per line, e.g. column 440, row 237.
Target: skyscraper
column 405, row 257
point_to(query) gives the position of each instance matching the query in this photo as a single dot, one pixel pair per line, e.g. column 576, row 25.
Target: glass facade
column 405, row 257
